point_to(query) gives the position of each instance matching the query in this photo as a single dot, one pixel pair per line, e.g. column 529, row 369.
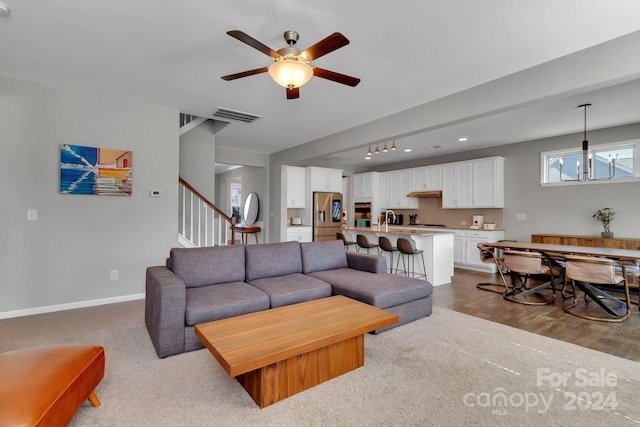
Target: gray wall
column 65, row 257
column 253, row 179
column 197, row 159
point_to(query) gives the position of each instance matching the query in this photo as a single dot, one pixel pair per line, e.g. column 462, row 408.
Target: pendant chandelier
column 585, row 169
column 385, row 149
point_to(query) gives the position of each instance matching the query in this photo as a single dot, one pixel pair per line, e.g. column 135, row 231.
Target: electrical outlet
column 114, row 274
column 463, row 222
column 521, row 217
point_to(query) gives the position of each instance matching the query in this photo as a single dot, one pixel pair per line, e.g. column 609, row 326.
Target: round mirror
column 251, row 209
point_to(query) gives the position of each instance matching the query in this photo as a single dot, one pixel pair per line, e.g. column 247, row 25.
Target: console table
column 245, row 231
column 593, row 241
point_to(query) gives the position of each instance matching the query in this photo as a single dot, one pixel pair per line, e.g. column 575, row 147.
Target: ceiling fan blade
column 247, row 39
column 245, row 74
column 293, row 93
column 324, row 46
column 336, row 77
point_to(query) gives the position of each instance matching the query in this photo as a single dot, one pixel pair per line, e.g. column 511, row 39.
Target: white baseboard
column 69, row 306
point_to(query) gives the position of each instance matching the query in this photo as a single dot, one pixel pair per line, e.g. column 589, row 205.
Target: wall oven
column 362, row 214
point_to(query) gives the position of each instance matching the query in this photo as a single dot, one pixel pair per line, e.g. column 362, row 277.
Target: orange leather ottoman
column 45, row 386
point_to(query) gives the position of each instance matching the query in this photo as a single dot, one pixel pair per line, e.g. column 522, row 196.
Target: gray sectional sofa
column 199, row 285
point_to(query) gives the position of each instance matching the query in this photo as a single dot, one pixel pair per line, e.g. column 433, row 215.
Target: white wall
column 65, row 257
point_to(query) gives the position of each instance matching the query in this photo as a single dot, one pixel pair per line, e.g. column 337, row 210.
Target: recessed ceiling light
column 4, row 9
column 407, row 150
column 463, row 139
column 367, row 158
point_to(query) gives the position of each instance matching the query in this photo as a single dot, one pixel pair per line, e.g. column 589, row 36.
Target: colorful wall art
column 99, row 171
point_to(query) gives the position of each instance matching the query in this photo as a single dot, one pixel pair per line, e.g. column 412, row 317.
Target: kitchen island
column 436, row 244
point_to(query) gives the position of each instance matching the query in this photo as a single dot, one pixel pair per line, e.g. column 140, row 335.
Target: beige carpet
column 449, row 369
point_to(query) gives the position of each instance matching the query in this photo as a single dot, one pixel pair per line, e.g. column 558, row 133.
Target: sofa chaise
column 199, row 285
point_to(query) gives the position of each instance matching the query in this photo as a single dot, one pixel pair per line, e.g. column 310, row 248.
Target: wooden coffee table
column 277, row 353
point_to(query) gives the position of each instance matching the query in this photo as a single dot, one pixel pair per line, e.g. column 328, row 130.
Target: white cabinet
column 456, row 185
column 384, row 191
column 488, row 183
column 324, row 179
column 473, row 184
column 458, row 247
column 426, row 179
column 299, row 234
column 434, row 177
column 465, row 248
column 399, row 187
column 295, row 179
column 366, row 185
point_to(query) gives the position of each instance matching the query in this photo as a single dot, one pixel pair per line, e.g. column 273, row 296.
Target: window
column 235, row 191
column 617, row 162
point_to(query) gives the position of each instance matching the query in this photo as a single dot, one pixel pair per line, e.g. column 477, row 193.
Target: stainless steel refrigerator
column 327, row 215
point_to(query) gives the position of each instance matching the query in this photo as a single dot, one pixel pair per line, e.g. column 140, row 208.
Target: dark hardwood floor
column 620, row 339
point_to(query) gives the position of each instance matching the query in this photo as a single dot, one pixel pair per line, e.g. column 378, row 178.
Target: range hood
column 425, row 194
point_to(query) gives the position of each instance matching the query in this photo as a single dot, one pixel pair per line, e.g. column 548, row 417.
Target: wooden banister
column 212, row 206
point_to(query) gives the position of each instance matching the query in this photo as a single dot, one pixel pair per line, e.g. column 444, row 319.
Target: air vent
column 227, row 114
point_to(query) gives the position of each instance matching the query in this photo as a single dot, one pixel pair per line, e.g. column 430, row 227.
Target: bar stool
column 386, row 246
column 346, row 242
column 363, row 242
column 406, row 248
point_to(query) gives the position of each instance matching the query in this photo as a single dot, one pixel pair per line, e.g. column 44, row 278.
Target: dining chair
column 488, row 256
column 347, row 243
column 524, row 265
column 406, row 249
column 363, row 242
column 386, row 246
column 598, row 277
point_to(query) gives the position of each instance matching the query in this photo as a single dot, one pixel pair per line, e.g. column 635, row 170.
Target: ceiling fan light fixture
column 290, row 73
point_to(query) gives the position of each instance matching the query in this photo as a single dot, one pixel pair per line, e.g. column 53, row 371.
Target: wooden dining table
column 549, row 249
column 554, row 251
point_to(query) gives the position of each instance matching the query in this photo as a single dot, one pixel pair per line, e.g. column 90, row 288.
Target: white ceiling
column 406, row 53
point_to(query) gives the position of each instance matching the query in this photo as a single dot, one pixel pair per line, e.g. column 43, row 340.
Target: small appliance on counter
column 489, row 225
column 477, row 222
column 296, row 221
column 412, row 219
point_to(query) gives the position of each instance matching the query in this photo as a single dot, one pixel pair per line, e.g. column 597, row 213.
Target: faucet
column 386, row 219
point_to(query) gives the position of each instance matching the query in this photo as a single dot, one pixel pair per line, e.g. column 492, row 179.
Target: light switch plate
column 32, row 214
column 521, row 217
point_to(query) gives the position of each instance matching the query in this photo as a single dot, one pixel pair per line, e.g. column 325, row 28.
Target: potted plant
column 605, row 216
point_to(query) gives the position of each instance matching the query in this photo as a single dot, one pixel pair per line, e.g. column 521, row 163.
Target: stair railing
column 201, row 223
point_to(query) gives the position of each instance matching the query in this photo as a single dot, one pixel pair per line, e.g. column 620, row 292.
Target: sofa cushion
column 292, row 289
column 379, row 290
column 272, row 259
column 208, row 303
column 319, row 256
column 208, row 266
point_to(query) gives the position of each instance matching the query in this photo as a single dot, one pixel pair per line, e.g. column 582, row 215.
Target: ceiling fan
column 291, row 68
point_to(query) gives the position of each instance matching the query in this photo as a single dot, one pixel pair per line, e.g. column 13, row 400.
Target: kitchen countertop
column 398, row 229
